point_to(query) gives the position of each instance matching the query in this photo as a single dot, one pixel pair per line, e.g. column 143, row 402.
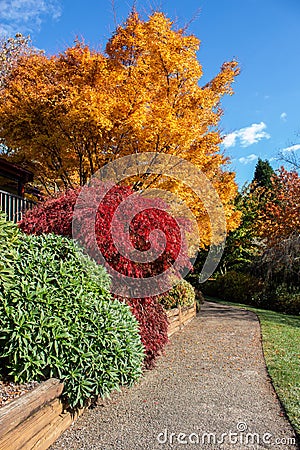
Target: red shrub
column 97, row 216
column 53, row 216
column 123, row 226
column 153, row 324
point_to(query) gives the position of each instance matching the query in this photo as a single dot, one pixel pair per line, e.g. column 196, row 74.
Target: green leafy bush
column 287, row 300
column 9, row 235
column 182, row 294
column 58, row 320
column 234, row 286
column 282, row 298
column 251, row 290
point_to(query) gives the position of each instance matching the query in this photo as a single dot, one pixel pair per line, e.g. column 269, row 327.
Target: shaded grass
column 281, row 345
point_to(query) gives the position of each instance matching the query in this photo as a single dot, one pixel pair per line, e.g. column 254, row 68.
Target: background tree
column 260, row 265
column 280, row 264
column 280, row 216
column 242, row 244
column 11, row 51
column 263, row 174
column 291, row 158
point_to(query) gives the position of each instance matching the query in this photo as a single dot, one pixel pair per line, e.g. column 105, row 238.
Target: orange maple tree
column 67, row 115
column 280, row 215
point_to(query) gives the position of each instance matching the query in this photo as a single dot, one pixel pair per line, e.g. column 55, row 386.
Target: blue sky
column 262, row 118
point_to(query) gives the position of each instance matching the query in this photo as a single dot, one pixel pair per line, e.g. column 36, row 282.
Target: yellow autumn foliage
column 67, row 115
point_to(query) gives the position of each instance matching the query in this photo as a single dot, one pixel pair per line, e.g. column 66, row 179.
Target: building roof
column 15, row 172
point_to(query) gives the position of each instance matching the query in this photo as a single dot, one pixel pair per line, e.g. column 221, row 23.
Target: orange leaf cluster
column 280, row 216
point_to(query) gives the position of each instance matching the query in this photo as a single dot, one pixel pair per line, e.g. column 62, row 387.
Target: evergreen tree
column 263, row 174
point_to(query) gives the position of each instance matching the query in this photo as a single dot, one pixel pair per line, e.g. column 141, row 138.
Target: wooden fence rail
column 179, row 317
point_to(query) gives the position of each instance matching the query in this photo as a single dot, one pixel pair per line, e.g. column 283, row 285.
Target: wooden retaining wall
column 35, row 420
column 179, row 317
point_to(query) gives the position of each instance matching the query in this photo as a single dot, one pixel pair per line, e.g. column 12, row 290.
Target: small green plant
column 182, row 294
column 59, row 320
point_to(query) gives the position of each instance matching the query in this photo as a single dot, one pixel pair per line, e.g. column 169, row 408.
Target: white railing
column 14, row 206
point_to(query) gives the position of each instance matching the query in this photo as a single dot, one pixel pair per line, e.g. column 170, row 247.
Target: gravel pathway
column 210, row 391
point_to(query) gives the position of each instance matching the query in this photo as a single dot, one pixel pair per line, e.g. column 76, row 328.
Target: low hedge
column 281, row 298
column 59, row 320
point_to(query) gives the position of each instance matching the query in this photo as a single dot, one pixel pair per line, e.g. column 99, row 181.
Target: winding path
column 212, row 386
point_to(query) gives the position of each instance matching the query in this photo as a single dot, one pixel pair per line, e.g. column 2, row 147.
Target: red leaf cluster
column 153, row 325
column 52, row 216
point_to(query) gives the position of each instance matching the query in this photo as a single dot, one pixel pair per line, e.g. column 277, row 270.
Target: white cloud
column 229, row 140
column 26, row 15
column 283, row 116
column 253, row 134
column 247, row 136
column 292, row 148
column 248, row 159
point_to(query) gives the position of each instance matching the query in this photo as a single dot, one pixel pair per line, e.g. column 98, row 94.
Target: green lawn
column 281, row 344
